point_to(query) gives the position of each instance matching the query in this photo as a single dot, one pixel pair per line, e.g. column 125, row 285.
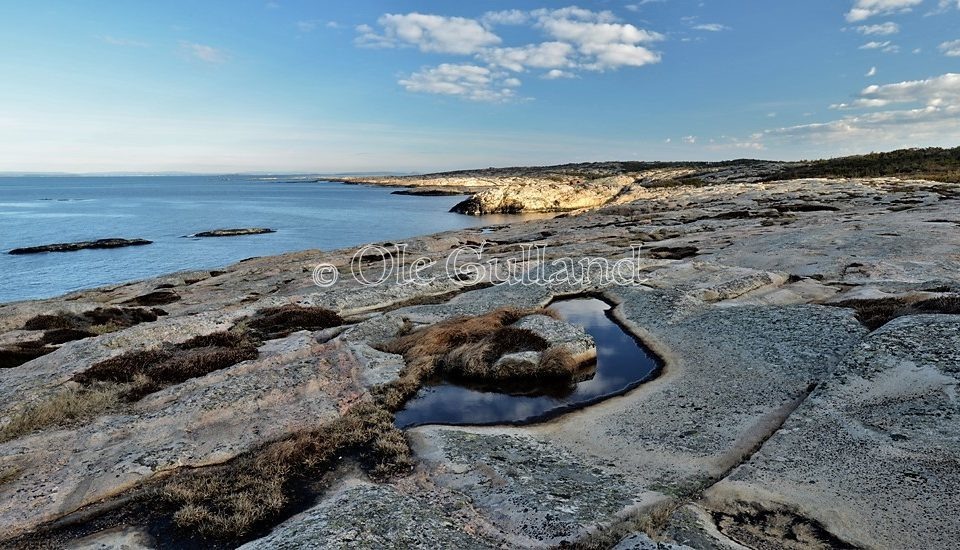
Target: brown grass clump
column 153, row 370
column 252, row 491
column 64, row 335
column 949, row 305
column 277, row 322
column 775, row 529
column 9, row 474
column 66, row 327
column 111, row 383
column 875, row 313
column 156, row 298
column 18, row 354
column 466, row 349
column 255, row 489
column 120, row 317
column 672, row 252
column 70, row 406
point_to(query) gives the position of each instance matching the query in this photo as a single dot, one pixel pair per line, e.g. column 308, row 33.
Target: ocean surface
column 306, row 215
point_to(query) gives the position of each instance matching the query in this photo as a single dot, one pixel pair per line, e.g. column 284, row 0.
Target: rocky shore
column 572, row 187
column 809, row 331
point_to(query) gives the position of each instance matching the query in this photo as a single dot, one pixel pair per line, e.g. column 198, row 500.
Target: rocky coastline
column 809, row 331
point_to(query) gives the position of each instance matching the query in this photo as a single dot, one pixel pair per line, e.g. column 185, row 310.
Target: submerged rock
column 82, row 245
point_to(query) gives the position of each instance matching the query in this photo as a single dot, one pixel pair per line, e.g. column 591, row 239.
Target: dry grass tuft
column 64, row 335
column 16, row 355
column 157, row 298
column 66, row 327
column 250, row 492
column 762, row 528
column 277, row 322
column 652, row 521
column 875, row 313
column 73, row 405
column 119, row 317
column 154, row 370
column 466, row 349
column 111, row 383
column 9, row 474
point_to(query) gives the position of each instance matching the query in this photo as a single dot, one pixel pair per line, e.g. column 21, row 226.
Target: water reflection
column 622, row 364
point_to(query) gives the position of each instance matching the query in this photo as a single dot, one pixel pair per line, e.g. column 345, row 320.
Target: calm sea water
column 43, row 210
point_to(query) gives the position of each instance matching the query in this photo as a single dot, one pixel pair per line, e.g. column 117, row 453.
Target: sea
column 306, row 214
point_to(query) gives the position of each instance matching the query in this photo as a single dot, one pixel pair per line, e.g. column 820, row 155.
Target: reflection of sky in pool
column 622, row 364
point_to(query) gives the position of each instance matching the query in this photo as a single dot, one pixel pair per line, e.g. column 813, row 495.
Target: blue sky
column 310, row 86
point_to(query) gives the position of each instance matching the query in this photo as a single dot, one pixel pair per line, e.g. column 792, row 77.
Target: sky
column 411, row 86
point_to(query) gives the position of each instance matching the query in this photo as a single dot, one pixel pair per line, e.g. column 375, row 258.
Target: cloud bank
column 576, row 41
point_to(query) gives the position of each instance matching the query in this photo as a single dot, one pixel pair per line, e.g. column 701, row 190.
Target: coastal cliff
column 570, row 187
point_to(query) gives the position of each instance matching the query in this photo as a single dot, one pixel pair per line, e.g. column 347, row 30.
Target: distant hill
column 933, row 163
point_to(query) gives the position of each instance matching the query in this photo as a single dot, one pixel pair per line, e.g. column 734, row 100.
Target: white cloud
column 554, row 74
column 462, row 80
column 886, row 46
column 505, row 17
column 690, row 140
column 929, row 112
column 126, row 42
column 308, row 25
column 430, row 33
column 638, row 6
column 865, row 9
column 932, row 92
column 587, row 32
column 605, row 43
column 871, row 72
column 546, row 55
column 883, row 29
column 205, row 53
column 951, row 48
column 609, row 56
column 578, row 40
column 944, row 6
column 711, row 27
